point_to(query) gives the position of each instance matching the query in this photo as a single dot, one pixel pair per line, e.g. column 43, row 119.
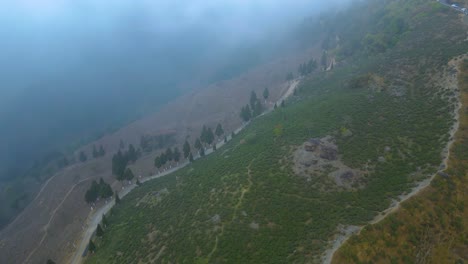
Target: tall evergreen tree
column 119, row 163
column 198, row 144
column 219, row 130
column 266, row 93
column 132, row 154
column 258, row 109
column 99, row 231
column 117, row 198
column 253, row 99
column 186, row 149
column 169, row 154
column 190, row 157
column 176, row 154
column 246, row 113
column 129, row 174
column 92, row 193
column 157, row 162
column 91, row 246
column 209, row 136
column 204, row 134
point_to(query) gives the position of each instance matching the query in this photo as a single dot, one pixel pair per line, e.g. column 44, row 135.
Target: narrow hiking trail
column 244, row 190
column 54, row 212
column 348, row 231
column 95, row 218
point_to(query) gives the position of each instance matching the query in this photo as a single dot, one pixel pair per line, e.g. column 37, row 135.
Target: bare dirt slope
column 51, row 225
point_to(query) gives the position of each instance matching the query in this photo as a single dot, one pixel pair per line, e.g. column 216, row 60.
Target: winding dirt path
column 54, row 212
column 347, row 232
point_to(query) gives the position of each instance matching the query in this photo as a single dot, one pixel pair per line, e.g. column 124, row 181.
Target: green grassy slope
column 244, row 204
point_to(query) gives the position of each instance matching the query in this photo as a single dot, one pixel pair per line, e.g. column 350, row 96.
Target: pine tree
column 253, row 99
column 276, row 106
column 219, row 130
column 117, row 198
column 176, row 154
column 233, row 134
column 129, row 174
column 92, row 193
column 157, row 162
column 202, row 152
column 266, row 93
column 258, row 109
column 198, row 144
column 169, row 154
column 99, row 231
column 283, row 104
column 132, row 154
column 214, row 147
column 91, row 247
column 246, row 113
column 209, row 136
column 138, row 183
column 203, row 135
column 190, row 157
column 119, row 163
column 225, row 139
column 186, row 149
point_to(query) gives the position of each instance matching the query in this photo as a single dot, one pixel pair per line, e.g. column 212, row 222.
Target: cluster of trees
column 255, row 108
column 207, row 137
column 167, row 157
column 98, row 153
column 307, row 68
column 149, row 143
column 101, row 189
column 121, row 160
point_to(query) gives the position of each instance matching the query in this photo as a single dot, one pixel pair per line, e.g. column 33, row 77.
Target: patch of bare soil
column 318, row 160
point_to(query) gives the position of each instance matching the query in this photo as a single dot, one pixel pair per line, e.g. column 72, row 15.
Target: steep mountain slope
column 431, row 227
column 59, row 212
column 380, row 115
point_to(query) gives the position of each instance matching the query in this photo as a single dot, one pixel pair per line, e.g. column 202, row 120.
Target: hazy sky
column 69, row 65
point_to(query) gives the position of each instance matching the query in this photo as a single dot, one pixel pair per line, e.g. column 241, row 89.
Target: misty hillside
column 356, row 137
column 233, row 132
column 71, row 78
